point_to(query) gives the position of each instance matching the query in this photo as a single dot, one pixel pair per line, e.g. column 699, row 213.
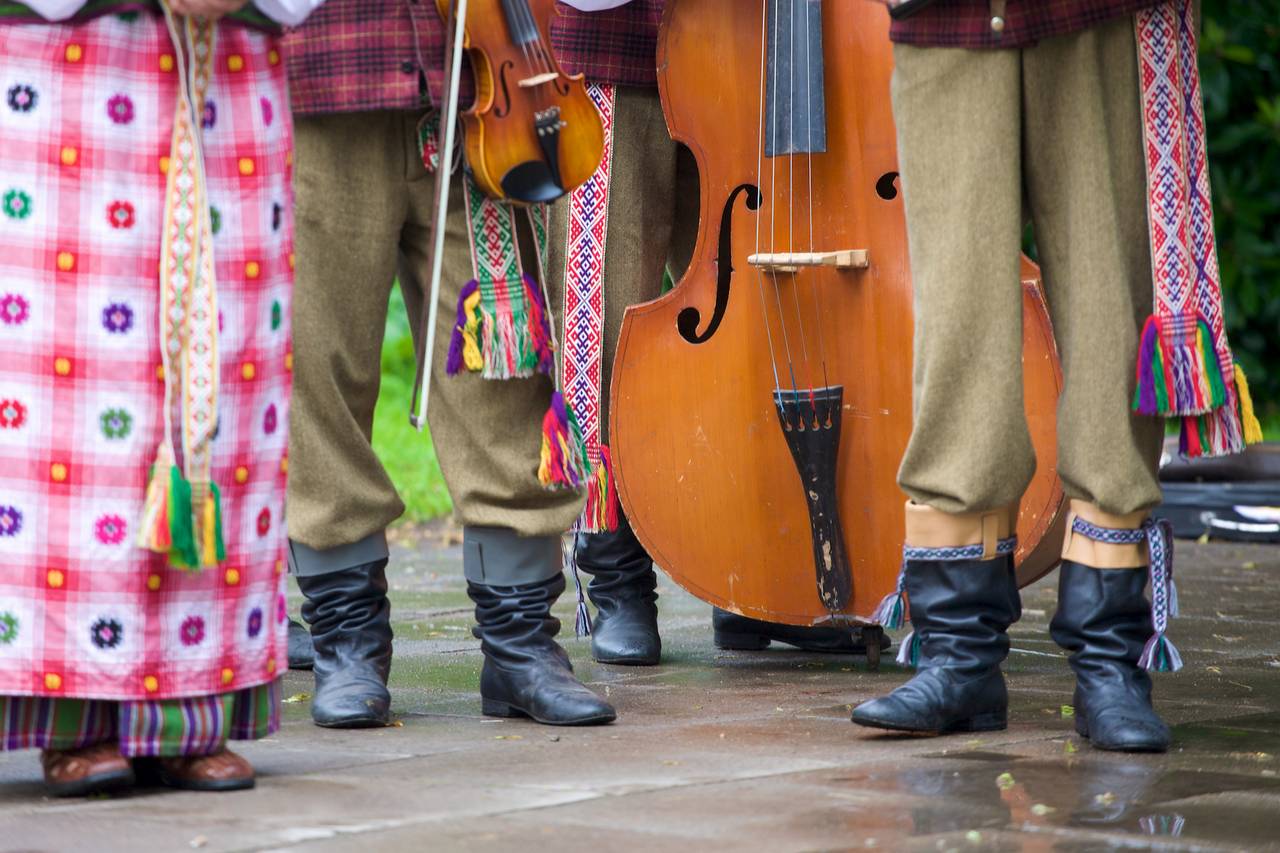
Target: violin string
column 764, row 305
column 773, row 207
column 817, row 291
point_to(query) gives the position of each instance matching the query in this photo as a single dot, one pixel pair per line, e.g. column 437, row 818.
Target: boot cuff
column 498, row 556
column 931, row 528
column 1081, row 549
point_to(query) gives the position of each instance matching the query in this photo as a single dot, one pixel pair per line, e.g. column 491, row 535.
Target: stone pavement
column 733, row 751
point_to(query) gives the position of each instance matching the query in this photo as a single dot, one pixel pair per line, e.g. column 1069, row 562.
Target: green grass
column 408, row 455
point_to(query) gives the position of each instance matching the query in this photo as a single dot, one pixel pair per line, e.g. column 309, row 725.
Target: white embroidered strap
column 1159, row 654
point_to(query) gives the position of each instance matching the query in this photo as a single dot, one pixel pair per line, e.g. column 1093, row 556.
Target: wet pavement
column 732, row 750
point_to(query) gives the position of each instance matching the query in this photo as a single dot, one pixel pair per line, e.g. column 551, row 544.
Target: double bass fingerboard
column 795, row 106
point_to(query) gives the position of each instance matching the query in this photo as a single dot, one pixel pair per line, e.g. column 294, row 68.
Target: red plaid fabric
column 967, row 23
column 85, row 129
column 355, row 55
column 618, row 46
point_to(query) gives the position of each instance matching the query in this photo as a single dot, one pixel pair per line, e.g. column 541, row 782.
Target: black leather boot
column 742, row 633
column 623, row 588
column 350, row 620
column 525, row 672
column 960, row 611
column 1104, row 620
column 302, row 654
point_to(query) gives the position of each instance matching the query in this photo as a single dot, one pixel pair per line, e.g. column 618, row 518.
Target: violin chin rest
column 531, row 182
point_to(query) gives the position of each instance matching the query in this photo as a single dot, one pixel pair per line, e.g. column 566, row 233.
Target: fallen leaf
column 296, row 698
column 973, row 836
column 1005, row 781
column 1251, row 565
column 1216, row 670
column 1040, row 809
column 1105, row 799
column 1069, row 748
column 1204, row 539
column 1068, row 711
column 397, row 724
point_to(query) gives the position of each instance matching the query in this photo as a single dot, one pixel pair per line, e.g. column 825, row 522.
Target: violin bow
column 456, row 21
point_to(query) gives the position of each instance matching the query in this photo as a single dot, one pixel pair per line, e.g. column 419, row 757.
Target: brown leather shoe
column 89, row 770
column 222, row 771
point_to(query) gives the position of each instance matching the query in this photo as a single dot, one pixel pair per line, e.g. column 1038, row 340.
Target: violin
column 760, row 408
column 532, row 134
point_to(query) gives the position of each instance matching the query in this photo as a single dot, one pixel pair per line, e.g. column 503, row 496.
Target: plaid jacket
column 354, row 55
column 967, row 23
column 618, row 46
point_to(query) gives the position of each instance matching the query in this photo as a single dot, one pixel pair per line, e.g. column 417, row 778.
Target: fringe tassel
column 909, row 651
column 464, row 347
column 1177, row 378
column 153, row 527
column 601, row 512
column 891, row 611
column 1248, row 418
column 539, row 323
column 1160, row 655
column 582, row 616
column 564, row 452
column 171, row 526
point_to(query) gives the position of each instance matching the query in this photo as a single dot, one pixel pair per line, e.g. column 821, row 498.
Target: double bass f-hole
column 688, row 319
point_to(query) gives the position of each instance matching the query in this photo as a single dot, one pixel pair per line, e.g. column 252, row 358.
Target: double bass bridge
column 793, row 262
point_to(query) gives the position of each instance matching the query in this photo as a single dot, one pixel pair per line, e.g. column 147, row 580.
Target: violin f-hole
column 687, row 321
column 505, row 108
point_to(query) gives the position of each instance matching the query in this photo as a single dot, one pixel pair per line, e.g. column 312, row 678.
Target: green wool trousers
column 653, row 219
column 364, row 212
column 988, row 139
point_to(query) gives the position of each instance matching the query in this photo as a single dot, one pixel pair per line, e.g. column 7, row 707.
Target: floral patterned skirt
column 86, row 118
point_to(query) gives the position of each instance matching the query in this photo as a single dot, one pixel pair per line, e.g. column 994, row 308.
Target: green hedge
column 1240, row 70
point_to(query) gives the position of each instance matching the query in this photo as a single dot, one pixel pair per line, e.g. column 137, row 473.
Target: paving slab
column 732, row 751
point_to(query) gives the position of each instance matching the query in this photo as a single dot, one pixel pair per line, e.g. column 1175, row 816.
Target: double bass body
column 799, row 285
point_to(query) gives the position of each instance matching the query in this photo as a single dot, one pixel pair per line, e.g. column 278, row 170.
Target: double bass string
column 817, row 291
column 791, row 190
column 773, row 207
column 764, row 305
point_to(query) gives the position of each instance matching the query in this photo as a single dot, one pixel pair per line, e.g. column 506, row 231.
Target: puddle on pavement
column 1115, row 795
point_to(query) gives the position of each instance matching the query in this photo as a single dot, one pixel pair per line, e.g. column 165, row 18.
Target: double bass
column 760, row 408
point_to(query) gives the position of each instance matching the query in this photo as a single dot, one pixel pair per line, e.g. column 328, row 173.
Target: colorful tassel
column 1151, row 396
column 170, row 526
column 1178, row 373
column 1248, row 418
column 464, row 348
column 539, row 327
column 564, row 453
column 601, row 512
